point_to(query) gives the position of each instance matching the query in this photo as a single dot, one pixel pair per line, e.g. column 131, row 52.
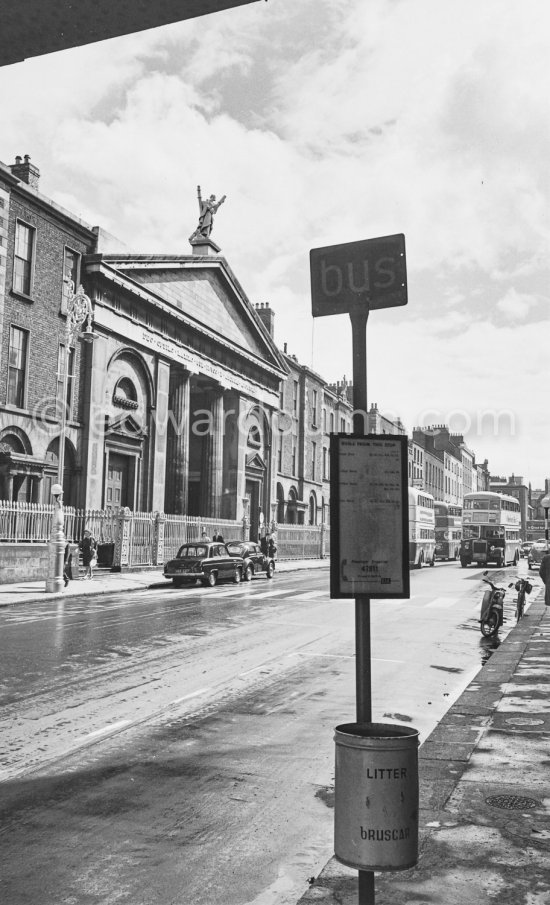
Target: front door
column 116, row 489
column 253, row 494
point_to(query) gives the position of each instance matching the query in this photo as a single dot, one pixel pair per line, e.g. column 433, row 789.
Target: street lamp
column 79, row 324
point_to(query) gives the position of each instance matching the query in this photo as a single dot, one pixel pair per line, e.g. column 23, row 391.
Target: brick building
column 41, row 247
column 310, row 410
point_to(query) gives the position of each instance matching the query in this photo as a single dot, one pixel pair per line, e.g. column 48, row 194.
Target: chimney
column 267, row 317
column 26, row 171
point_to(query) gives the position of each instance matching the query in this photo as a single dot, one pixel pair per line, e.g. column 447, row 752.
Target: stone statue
column 207, row 209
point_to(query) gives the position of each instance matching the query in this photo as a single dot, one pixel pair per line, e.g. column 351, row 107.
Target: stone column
column 212, row 471
column 93, row 440
column 158, row 440
column 177, row 465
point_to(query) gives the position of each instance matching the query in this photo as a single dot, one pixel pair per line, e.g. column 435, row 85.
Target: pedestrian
column 218, row 537
column 263, row 544
column 67, row 565
column 545, row 575
column 88, row 545
column 271, row 547
column 204, row 537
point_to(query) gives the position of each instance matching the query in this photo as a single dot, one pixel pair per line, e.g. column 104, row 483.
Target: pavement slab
column 484, row 775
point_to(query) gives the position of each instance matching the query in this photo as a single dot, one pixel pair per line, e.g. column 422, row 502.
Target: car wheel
column 270, row 570
column 238, row 576
column 463, row 563
column 432, row 561
column 211, row 579
column 248, row 573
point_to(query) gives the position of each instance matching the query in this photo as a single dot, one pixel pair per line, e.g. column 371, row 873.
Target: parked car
column 207, row 562
column 255, row 562
column 536, row 553
column 525, row 547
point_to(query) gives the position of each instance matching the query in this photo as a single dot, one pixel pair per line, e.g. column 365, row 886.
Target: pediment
column 255, row 462
column 125, row 425
column 207, row 293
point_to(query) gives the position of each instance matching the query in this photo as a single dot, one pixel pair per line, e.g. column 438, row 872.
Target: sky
column 325, row 122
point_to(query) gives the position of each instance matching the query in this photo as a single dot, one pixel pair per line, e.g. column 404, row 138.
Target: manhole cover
column 512, row 802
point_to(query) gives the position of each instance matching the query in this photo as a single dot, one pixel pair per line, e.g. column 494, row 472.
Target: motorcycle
column 492, row 609
column 523, row 586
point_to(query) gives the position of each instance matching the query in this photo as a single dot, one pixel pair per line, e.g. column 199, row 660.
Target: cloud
column 516, row 306
column 323, row 123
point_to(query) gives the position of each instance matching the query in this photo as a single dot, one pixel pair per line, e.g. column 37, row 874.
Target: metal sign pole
column 359, row 316
column 353, row 278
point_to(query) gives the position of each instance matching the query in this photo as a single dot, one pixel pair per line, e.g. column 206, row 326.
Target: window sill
column 10, row 407
column 22, row 295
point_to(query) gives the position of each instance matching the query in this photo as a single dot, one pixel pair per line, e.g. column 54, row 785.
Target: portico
column 183, row 386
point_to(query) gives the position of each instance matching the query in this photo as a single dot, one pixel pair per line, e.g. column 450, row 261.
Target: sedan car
column 207, row 562
column 525, row 547
column 536, row 553
column 255, row 562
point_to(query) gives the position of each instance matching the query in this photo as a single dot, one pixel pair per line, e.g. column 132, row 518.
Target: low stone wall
column 23, row 562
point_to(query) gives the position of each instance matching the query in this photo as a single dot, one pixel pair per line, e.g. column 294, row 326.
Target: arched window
column 125, row 395
column 254, row 436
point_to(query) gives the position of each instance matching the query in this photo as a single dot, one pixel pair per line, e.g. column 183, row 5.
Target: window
column 325, row 460
column 71, row 274
column 313, row 457
column 125, row 394
column 314, row 407
column 254, row 437
column 293, row 458
column 282, row 395
column 295, row 398
column 17, row 367
column 280, row 452
column 23, row 258
column 332, row 422
column 68, row 401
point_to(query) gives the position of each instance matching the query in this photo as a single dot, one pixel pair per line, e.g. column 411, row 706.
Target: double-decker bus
column 448, row 530
column 490, row 529
column 421, row 528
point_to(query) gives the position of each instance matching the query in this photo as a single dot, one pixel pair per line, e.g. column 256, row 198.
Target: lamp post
column 79, row 316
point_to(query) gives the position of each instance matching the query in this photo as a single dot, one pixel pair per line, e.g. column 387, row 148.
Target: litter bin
column 376, row 796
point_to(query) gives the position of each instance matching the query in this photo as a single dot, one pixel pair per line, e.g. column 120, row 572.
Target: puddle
column 400, row 717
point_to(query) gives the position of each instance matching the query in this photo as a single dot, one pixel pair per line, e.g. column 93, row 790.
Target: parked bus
column 448, row 530
column 421, row 528
column 490, row 529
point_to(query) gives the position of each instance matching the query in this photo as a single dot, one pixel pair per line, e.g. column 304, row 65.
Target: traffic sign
column 371, row 273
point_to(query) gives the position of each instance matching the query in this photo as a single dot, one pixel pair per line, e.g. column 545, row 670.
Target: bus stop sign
column 370, row 273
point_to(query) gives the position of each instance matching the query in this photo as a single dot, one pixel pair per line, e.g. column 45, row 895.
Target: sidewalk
column 114, row 582
column 484, row 791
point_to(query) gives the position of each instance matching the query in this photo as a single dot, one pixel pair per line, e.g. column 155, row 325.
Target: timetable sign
column 369, row 516
column 371, row 274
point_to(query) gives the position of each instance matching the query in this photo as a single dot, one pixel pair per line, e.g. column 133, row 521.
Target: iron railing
column 152, row 538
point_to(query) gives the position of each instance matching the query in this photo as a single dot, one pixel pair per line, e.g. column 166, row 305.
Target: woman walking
column 88, row 545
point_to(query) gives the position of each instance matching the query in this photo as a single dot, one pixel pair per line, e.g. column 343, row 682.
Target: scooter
column 523, row 586
column 492, row 609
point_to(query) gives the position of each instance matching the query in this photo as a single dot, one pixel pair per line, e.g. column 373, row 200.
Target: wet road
column 176, row 746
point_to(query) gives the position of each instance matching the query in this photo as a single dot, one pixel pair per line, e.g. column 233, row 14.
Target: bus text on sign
column 372, row 273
